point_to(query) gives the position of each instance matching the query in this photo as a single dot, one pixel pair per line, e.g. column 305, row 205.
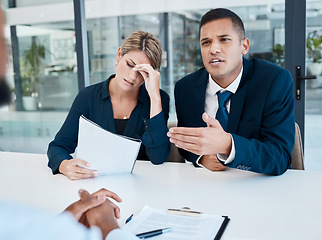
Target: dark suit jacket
column 261, row 118
column 94, row 102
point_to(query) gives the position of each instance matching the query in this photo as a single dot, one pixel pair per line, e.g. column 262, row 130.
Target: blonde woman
column 129, row 103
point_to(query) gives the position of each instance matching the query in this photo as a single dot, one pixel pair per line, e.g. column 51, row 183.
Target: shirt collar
column 214, row 87
column 105, row 91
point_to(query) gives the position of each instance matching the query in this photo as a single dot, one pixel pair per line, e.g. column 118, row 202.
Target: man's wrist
column 105, row 232
column 227, row 144
column 228, row 158
column 107, row 228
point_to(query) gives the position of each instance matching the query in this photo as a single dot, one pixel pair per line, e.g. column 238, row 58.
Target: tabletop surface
column 260, row 206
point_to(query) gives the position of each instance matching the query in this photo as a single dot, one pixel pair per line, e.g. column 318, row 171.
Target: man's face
column 222, row 50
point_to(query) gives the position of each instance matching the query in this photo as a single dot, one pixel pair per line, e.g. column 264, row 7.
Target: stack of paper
column 107, row 153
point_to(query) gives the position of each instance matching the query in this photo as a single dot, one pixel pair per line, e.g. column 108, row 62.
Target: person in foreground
column 93, row 217
column 5, row 94
column 128, row 103
column 95, row 211
column 254, row 127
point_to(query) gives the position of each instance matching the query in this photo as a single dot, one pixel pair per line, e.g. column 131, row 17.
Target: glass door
column 42, row 73
column 313, row 88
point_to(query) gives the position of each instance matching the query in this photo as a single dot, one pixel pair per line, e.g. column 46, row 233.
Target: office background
column 42, row 33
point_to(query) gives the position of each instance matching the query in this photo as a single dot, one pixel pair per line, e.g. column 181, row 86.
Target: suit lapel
column 200, row 95
column 238, row 99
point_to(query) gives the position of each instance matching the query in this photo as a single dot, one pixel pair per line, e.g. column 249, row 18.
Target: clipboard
column 186, row 211
column 133, row 223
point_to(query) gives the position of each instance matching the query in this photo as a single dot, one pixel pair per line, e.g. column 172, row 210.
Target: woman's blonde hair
column 147, row 43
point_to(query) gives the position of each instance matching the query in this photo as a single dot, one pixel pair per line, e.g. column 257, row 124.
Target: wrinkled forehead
column 218, row 28
column 137, row 57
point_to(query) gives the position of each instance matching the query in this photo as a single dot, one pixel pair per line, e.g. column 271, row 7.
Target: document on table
column 108, row 153
column 202, row 227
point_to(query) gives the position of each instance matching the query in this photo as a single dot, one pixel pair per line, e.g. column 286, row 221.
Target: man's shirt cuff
column 120, row 234
column 228, row 159
column 198, row 161
column 222, row 157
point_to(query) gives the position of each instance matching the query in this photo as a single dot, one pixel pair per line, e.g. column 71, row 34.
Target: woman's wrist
column 62, row 166
column 155, row 98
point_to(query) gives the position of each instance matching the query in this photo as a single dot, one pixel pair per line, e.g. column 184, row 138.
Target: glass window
column 27, row 3
column 44, row 84
column 4, row 4
column 53, row 85
column 47, row 61
column 179, row 35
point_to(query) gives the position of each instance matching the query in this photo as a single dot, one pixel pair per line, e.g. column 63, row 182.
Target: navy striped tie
column 222, row 113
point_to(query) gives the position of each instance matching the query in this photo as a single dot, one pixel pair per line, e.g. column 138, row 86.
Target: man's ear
column 245, row 46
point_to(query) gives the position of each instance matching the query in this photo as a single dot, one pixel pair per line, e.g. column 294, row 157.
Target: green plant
column 28, row 87
column 31, row 67
column 314, row 47
column 278, row 54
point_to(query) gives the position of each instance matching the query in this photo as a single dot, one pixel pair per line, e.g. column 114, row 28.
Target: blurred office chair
column 174, row 155
column 297, row 155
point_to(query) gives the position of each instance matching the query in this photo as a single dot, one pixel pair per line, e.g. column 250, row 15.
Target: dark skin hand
column 88, row 201
column 103, row 216
column 212, row 163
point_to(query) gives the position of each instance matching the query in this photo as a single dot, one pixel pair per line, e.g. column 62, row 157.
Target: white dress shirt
column 21, row 222
column 211, row 107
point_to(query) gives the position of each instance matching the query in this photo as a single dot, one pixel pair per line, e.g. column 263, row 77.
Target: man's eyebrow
column 203, row 39
column 224, row 35
column 220, row 36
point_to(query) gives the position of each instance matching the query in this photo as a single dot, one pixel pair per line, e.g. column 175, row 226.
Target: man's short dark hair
column 221, row 13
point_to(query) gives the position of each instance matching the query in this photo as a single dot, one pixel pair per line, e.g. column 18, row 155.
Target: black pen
column 129, row 219
column 152, row 233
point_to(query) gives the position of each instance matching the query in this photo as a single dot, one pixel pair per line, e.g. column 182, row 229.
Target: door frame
column 295, row 49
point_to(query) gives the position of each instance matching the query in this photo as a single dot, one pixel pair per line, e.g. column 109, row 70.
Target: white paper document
column 107, row 153
column 202, row 227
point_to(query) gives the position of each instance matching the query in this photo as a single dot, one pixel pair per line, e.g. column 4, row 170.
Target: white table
column 260, row 206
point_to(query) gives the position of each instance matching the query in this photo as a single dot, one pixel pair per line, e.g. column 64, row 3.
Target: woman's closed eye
column 130, row 65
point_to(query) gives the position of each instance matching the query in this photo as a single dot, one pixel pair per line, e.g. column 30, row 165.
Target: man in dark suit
column 252, row 100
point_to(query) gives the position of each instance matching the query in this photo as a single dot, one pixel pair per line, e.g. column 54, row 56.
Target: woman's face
column 128, row 79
